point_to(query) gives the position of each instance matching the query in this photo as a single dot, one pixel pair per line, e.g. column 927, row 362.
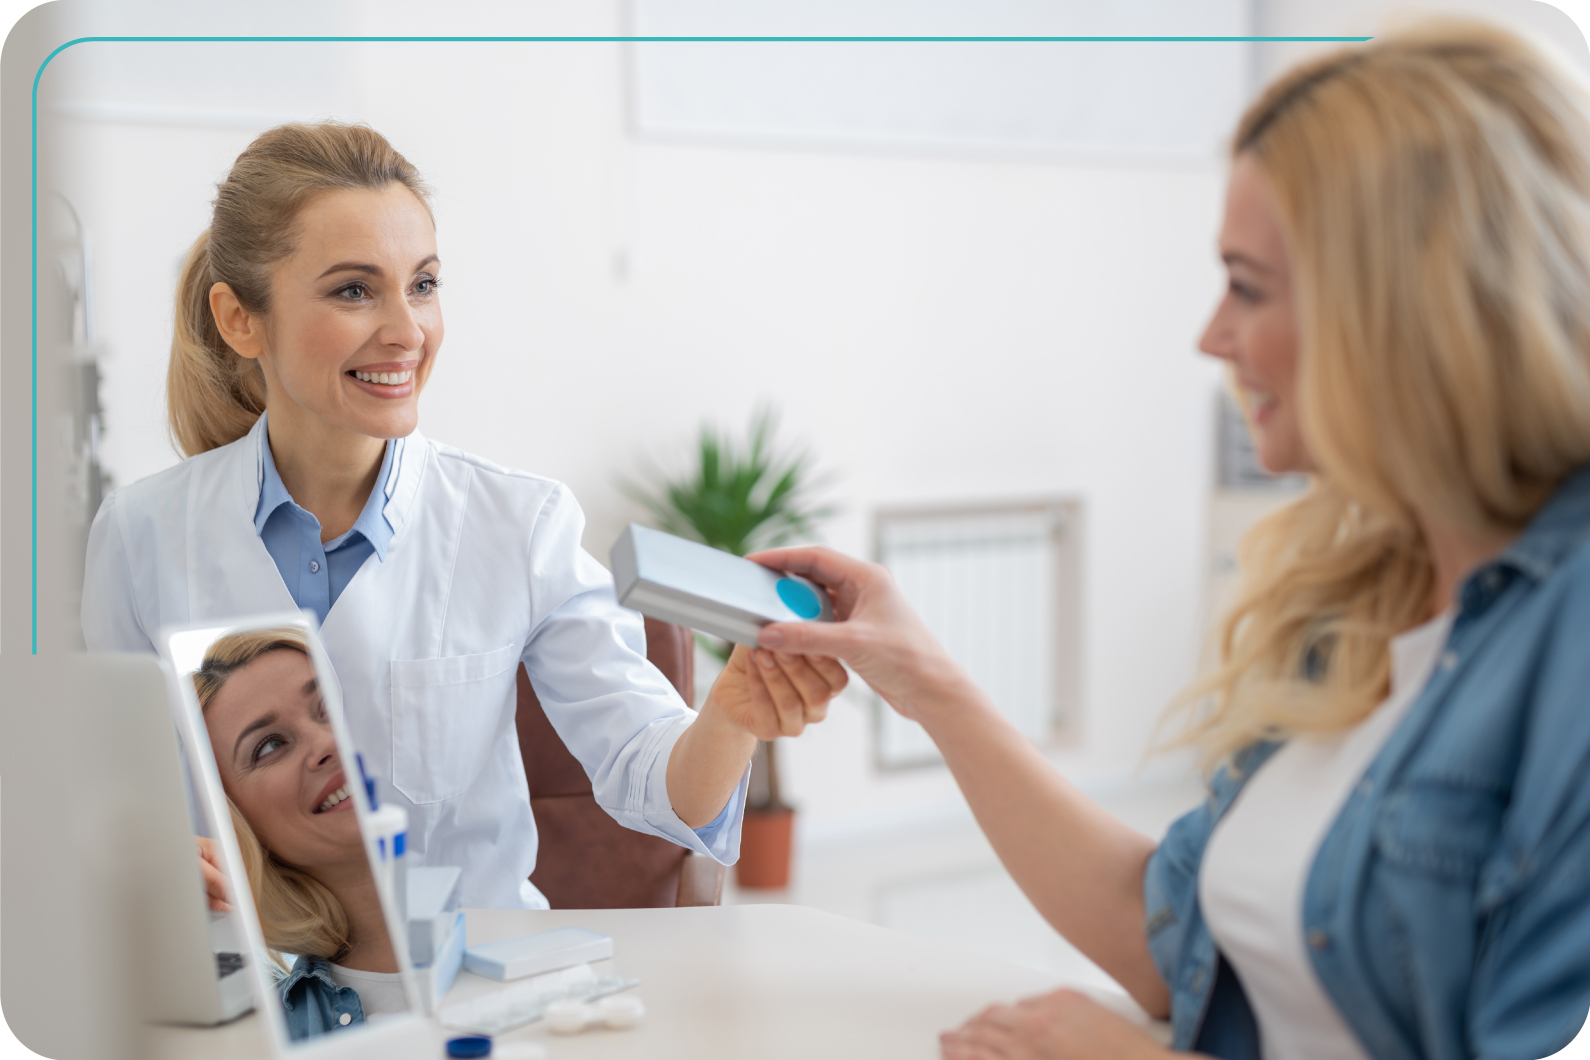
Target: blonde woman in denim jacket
column 1403, row 686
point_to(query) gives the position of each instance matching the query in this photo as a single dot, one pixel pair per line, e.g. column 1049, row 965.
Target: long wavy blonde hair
column 1434, row 188
column 298, row 914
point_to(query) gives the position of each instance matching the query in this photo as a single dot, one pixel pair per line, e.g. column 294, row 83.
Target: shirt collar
column 372, row 521
column 305, row 967
column 1555, row 530
column 272, row 494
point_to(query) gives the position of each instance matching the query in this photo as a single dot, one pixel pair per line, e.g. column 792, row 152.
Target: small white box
column 545, row 951
column 436, row 979
column 687, row 583
column 432, row 900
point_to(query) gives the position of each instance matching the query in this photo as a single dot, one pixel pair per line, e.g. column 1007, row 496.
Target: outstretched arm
column 760, row 695
column 1078, row 865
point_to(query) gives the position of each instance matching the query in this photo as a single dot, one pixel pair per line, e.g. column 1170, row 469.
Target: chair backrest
column 586, row 859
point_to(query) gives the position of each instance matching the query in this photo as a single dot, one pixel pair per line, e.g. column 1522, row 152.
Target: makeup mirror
column 294, row 847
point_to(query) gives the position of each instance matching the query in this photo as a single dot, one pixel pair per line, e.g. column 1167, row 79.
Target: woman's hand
column 770, row 694
column 1064, row 1025
column 214, row 881
column 878, row 633
column 760, row 695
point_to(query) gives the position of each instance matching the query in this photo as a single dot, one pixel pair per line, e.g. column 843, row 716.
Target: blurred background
column 968, row 277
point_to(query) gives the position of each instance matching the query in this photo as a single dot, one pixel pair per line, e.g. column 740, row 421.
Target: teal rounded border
column 33, row 163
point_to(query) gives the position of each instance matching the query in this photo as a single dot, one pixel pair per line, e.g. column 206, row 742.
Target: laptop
column 106, row 921
column 199, row 952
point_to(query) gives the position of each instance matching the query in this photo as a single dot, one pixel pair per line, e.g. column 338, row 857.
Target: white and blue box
column 432, row 901
column 544, row 951
column 716, row 592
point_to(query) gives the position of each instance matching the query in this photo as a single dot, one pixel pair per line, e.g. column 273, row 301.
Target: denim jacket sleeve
column 1178, row 940
column 1170, row 901
column 1531, row 981
column 313, row 1003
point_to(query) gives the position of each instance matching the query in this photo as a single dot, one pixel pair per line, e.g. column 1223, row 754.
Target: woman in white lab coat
column 308, row 321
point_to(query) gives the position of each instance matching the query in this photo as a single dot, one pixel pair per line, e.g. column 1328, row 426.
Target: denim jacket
column 313, row 1002
column 1447, row 912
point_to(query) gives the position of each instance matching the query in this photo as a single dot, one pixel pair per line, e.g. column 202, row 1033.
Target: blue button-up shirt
column 315, row 572
column 1447, row 913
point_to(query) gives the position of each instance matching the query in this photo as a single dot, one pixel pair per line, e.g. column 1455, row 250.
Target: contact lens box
column 544, row 951
column 436, row 979
column 432, row 900
column 685, row 582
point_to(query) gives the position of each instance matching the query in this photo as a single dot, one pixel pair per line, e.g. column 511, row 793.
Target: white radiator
column 997, row 587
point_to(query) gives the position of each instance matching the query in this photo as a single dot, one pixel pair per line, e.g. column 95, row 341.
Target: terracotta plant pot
column 765, row 841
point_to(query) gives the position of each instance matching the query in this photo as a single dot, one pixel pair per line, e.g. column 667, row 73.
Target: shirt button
column 345, row 1019
column 314, row 566
column 1449, row 661
column 1319, row 940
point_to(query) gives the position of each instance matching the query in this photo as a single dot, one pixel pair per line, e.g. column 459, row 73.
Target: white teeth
column 385, row 378
column 334, row 798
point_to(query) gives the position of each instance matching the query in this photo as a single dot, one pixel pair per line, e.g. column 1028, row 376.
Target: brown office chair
column 587, row 860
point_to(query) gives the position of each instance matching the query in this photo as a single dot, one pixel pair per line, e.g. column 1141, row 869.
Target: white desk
column 767, row 981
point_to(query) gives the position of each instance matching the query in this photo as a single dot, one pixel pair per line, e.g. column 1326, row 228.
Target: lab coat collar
column 404, row 466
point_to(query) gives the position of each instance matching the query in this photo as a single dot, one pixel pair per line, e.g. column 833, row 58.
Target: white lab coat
column 484, row 570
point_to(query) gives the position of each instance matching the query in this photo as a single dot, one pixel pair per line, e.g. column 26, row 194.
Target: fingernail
column 771, row 638
column 766, row 659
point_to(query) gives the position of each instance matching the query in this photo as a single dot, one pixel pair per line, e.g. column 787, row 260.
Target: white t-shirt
column 380, row 993
column 1258, row 860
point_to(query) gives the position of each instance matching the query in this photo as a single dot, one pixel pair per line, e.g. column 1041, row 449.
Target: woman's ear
column 240, row 329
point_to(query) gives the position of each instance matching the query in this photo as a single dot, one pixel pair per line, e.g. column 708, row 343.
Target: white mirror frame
column 399, row 1036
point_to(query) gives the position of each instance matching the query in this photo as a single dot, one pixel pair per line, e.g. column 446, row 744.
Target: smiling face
column 355, row 319
column 1254, row 328
column 279, row 765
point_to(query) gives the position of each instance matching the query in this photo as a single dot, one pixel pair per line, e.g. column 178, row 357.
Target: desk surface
column 768, row 981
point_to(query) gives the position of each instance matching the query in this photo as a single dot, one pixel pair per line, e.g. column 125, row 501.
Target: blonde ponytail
column 213, row 396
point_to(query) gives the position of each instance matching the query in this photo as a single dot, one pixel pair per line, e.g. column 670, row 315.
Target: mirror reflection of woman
column 308, row 322
column 306, row 863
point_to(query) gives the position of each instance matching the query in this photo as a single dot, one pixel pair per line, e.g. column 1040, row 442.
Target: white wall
column 937, row 328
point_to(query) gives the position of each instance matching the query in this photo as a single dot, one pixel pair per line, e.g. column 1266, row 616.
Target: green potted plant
column 741, row 497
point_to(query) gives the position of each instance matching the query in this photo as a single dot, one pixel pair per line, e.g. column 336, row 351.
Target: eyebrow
column 1234, row 257
column 259, row 723
column 368, row 269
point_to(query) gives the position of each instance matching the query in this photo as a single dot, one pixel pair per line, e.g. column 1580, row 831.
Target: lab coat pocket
column 446, row 714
